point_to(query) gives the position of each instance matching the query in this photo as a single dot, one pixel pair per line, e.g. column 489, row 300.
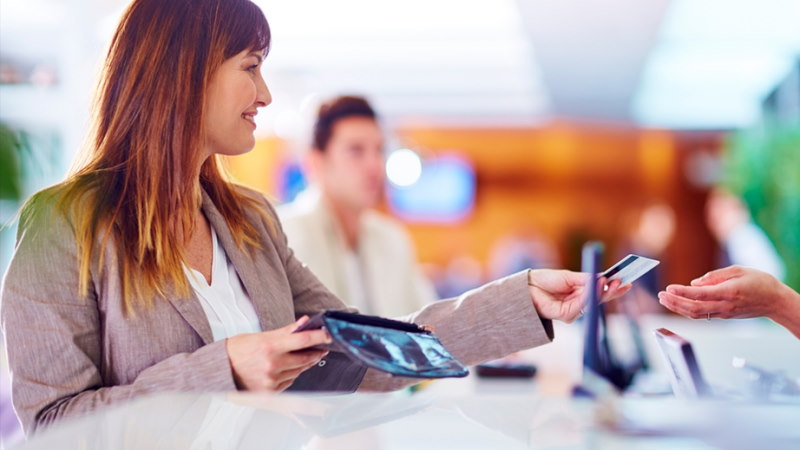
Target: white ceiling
column 443, row 60
column 592, row 52
column 667, row 63
column 671, row 63
column 715, row 60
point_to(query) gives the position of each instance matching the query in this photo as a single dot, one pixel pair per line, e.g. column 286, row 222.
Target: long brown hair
column 138, row 184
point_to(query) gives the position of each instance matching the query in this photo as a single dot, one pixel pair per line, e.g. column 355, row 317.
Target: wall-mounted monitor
column 444, row 193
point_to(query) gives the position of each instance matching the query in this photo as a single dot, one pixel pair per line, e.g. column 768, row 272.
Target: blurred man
column 360, row 255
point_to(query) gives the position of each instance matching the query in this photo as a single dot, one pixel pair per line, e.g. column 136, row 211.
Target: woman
column 146, row 271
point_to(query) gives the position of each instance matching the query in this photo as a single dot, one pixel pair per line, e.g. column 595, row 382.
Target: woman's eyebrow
column 257, row 55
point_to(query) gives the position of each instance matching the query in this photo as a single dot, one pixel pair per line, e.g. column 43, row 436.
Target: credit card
column 629, row 268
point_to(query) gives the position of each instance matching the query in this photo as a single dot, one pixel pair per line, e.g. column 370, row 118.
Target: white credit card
column 629, row 268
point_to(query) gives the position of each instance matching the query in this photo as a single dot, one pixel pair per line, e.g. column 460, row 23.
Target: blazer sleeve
column 54, row 337
column 486, row 323
column 483, row 324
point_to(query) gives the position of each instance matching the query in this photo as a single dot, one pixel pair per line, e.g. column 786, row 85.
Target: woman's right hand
column 560, row 294
column 271, row 360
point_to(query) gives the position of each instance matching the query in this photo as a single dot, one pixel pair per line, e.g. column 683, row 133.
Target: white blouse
column 225, row 302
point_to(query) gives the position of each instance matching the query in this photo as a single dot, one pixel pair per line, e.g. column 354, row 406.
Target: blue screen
column 444, row 193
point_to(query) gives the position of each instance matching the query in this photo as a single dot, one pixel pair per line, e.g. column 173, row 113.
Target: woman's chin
column 236, row 151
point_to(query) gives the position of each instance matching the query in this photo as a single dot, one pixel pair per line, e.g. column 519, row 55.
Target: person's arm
column 492, row 321
column 486, row 323
column 788, row 315
column 735, row 293
column 54, row 338
column 483, row 324
column 502, row 317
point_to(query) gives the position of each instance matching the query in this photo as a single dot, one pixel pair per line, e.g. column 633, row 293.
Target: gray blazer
column 69, row 355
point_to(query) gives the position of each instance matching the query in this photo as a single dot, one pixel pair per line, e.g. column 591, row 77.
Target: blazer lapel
column 190, row 309
column 192, row 312
column 260, row 295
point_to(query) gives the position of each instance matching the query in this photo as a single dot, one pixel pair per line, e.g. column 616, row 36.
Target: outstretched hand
column 560, row 294
column 730, row 293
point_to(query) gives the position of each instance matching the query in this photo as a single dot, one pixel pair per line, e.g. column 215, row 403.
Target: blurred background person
column 744, row 243
column 519, row 250
column 461, row 274
column 650, row 230
column 364, row 257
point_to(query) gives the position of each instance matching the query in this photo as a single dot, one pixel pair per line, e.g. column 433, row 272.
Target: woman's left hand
column 560, row 294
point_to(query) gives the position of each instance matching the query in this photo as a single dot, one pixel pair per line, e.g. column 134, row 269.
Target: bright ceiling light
column 403, row 167
column 716, row 61
column 703, row 88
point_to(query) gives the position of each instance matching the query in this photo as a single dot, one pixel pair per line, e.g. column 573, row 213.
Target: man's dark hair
column 334, row 110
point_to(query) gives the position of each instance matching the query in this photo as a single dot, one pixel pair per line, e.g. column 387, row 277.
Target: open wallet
column 399, row 348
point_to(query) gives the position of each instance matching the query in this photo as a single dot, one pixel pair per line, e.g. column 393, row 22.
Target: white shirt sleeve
column 749, row 246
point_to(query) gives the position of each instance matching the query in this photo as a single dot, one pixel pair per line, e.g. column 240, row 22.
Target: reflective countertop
column 472, row 413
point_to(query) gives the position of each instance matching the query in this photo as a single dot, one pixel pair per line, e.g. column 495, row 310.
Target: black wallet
column 399, row 348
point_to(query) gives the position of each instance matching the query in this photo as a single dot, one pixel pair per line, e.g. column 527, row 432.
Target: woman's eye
column 252, row 68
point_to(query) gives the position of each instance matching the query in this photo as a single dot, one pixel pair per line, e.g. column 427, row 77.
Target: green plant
column 12, row 147
column 763, row 167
